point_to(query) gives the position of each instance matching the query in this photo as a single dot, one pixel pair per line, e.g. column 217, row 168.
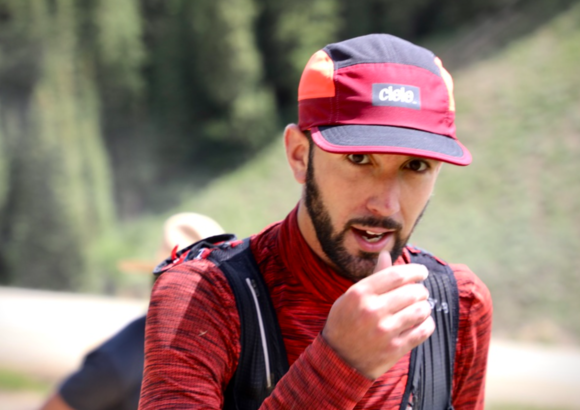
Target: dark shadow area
column 488, row 34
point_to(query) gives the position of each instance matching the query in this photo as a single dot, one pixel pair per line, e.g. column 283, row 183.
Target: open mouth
column 369, row 235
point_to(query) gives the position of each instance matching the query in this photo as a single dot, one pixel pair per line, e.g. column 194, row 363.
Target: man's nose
column 385, row 197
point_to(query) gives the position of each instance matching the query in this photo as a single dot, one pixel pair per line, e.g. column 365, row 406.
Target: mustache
column 374, row 222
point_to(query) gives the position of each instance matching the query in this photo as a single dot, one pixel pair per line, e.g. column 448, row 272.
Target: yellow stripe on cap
column 448, row 82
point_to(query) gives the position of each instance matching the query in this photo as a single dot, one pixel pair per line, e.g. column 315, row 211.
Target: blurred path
column 546, row 377
column 21, row 400
column 47, row 333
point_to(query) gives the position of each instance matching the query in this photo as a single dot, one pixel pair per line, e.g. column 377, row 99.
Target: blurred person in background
column 110, row 376
column 376, row 122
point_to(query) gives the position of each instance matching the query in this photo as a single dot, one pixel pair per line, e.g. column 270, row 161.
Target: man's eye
column 359, row 159
column 418, row 165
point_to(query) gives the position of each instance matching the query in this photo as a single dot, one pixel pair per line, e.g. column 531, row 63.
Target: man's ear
column 297, row 147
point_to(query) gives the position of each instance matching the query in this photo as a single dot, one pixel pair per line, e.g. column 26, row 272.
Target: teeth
column 373, row 240
column 372, row 237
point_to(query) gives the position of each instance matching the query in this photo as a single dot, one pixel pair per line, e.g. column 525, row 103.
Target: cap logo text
column 397, row 95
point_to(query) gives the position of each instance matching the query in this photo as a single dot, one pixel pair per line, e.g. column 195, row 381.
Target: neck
column 308, row 232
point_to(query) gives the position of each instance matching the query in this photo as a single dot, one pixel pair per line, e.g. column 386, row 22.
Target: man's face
column 360, row 205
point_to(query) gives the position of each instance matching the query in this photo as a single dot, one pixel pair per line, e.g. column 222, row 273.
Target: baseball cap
column 380, row 94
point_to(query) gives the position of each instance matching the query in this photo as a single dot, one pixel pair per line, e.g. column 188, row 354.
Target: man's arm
column 192, row 349
column 474, row 336
column 95, row 385
column 191, row 339
column 109, row 375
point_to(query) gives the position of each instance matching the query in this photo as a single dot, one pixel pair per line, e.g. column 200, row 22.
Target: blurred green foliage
column 113, row 115
column 56, row 168
column 11, row 381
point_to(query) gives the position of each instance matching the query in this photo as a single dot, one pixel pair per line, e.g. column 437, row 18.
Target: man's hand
column 380, row 318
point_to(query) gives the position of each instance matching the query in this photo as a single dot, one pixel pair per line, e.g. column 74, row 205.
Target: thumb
column 383, row 262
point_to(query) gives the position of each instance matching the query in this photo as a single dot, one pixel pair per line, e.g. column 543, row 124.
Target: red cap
column 379, row 93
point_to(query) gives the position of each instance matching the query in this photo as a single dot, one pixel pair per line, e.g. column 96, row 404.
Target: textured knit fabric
column 193, row 330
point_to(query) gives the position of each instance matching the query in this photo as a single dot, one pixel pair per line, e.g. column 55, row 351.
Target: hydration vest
column 263, row 360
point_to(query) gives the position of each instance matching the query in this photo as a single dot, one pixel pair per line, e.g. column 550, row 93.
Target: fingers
column 415, row 335
column 396, row 312
column 372, row 336
column 401, row 298
column 384, row 261
column 392, row 277
column 381, row 317
column 401, row 322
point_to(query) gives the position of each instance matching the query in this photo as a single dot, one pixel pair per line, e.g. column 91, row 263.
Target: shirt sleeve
column 318, row 376
column 474, row 334
column 96, row 385
column 191, row 339
column 192, row 349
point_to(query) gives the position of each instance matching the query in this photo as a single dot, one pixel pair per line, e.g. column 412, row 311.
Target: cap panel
column 315, row 111
column 374, row 94
column 380, row 48
column 317, row 78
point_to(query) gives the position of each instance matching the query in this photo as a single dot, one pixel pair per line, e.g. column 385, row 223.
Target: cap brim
column 390, row 140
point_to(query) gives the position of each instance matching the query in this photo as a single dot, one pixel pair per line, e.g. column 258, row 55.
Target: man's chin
column 356, row 264
column 358, row 267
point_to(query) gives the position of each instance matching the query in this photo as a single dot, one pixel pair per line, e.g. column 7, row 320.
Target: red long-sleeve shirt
column 193, row 332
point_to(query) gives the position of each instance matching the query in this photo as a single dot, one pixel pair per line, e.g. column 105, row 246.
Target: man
column 110, row 376
column 376, row 121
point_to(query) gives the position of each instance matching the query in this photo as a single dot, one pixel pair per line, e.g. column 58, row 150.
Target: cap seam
column 400, row 64
column 336, row 101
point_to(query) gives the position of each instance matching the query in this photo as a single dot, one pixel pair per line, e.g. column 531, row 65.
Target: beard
column 353, row 267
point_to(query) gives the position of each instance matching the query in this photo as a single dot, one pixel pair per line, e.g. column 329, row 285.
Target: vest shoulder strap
column 432, row 362
column 263, row 360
